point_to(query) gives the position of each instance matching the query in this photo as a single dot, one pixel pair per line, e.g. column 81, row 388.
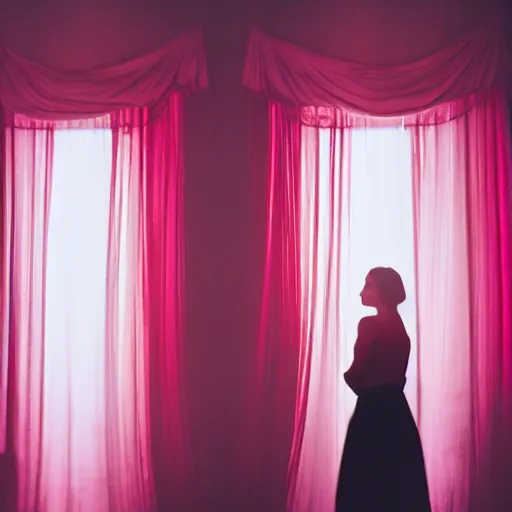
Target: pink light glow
column 375, row 225
column 427, row 201
column 92, row 309
column 74, row 423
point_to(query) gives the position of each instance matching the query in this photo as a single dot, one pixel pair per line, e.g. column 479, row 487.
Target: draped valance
column 40, row 92
column 281, row 71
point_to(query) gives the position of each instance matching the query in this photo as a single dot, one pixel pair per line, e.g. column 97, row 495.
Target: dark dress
column 382, row 469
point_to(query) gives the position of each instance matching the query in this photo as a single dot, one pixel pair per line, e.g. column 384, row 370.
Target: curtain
column 23, row 296
column 433, row 202
column 91, row 302
column 273, row 385
column 40, row 92
column 461, row 175
column 476, row 62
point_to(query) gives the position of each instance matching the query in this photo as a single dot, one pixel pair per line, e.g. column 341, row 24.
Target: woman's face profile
column 370, row 295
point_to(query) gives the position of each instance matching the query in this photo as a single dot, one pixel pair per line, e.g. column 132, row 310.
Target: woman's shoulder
column 374, row 326
column 368, row 320
column 368, row 325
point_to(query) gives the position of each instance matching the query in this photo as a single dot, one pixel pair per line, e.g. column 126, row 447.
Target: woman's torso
column 391, row 347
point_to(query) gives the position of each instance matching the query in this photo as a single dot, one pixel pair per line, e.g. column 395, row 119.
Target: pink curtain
column 289, row 74
column 25, row 203
column 40, row 92
column 92, row 308
column 462, row 177
column 434, row 202
column 271, row 407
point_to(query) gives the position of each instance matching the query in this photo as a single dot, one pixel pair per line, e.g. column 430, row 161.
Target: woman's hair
column 389, row 283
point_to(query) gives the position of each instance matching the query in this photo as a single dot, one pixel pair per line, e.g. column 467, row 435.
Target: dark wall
column 222, row 292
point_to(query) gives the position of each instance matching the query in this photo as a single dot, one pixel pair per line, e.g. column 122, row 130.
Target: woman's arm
column 357, row 375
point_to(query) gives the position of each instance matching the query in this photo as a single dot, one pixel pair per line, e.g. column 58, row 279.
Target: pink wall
column 224, row 200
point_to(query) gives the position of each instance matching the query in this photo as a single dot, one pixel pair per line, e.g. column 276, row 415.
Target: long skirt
column 382, row 468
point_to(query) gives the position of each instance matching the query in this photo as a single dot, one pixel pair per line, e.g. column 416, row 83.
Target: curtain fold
column 26, row 201
column 286, row 73
column 162, row 186
column 324, row 197
column 433, row 202
column 462, row 172
column 127, row 384
column 273, row 382
column 40, row 92
column 92, row 297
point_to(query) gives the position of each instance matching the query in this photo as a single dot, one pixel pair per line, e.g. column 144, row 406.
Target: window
column 74, row 358
column 365, row 219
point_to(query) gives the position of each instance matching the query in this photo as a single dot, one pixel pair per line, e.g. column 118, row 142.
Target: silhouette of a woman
column 382, row 468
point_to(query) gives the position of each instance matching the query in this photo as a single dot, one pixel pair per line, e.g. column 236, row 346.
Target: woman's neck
column 387, row 311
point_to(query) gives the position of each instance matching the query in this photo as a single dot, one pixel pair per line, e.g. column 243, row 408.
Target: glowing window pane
column 74, row 398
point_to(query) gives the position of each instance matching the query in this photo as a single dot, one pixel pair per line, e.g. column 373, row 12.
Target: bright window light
column 357, row 214
column 378, row 229
column 74, row 358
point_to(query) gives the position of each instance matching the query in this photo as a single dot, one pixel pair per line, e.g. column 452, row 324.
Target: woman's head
column 383, row 288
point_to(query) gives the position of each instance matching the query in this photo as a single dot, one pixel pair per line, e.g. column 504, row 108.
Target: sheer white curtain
column 91, row 358
column 75, row 319
column 434, row 203
column 67, row 295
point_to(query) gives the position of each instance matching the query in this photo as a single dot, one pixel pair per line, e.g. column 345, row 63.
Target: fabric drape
column 461, row 181
column 433, row 202
column 147, row 230
column 25, row 203
column 289, row 74
column 163, row 200
column 40, row 92
column 273, row 384
column 92, row 297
